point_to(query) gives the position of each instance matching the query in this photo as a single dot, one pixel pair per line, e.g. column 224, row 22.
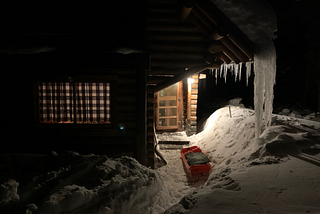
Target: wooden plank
column 194, row 91
column 193, row 107
column 194, row 102
column 194, row 118
column 150, row 154
column 194, row 97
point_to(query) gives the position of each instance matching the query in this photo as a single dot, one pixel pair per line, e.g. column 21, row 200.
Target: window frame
column 112, row 79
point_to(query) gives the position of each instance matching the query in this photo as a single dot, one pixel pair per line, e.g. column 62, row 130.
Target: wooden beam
column 247, row 51
column 204, row 19
column 211, row 58
column 203, row 9
column 221, row 56
column 182, row 75
column 230, row 54
column 234, row 49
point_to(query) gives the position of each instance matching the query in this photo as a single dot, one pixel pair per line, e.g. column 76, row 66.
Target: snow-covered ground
column 276, row 173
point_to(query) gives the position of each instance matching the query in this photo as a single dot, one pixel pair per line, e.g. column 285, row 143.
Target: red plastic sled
column 195, row 162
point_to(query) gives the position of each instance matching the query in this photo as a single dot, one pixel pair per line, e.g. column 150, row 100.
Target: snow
column 275, row 173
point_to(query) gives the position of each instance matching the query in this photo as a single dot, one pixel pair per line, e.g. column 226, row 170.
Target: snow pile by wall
column 229, row 140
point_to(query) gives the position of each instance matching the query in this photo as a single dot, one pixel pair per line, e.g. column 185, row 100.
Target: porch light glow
column 190, row 80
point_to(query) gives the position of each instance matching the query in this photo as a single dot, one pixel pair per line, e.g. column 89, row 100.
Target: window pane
column 172, row 112
column 170, row 91
column 162, row 112
column 55, row 102
column 167, row 102
column 93, row 103
column 162, row 122
column 172, row 121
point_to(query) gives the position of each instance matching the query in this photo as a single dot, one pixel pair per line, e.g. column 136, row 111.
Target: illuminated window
column 78, row 102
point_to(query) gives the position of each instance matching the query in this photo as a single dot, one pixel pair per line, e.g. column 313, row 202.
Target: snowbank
column 74, row 183
column 271, row 174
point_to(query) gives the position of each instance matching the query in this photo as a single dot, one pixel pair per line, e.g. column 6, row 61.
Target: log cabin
column 108, row 100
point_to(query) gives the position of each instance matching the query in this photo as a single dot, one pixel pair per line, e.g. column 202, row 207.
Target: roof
column 188, row 37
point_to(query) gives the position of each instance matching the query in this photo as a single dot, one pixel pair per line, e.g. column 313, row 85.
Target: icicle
column 236, row 72
column 221, row 70
column 248, row 73
column 265, row 72
column 240, row 68
column 225, row 71
column 216, row 76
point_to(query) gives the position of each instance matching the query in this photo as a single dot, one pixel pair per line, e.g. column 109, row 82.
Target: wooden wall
column 191, row 101
column 128, row 99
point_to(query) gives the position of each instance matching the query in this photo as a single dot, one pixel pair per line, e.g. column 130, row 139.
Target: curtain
column 55, row 102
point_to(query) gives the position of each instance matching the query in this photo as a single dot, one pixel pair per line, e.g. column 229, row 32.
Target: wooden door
column 169, row 112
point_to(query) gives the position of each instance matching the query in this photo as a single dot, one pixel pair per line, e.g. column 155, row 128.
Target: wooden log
column 176, row 63
column 214, row 35
column 161, row 9
column 197, row 22
column 171, row 27
column 157, row 79
column 165, row 71
column 152, row 18
column 222, row 57
column 176, row 55
column 234, row 49
column 174, row 36
column 185, row 12
column 230, row 54
column 181, row 76
column 204, row 19
column 246, row 50
column 211, row 58
column 177, row 46
column 215, row 47
column 194, row 97
column 207, row 13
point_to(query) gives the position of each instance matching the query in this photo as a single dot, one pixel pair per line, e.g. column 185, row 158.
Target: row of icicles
column 234, row 69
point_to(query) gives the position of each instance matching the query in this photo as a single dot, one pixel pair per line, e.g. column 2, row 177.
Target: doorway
column 169, row 111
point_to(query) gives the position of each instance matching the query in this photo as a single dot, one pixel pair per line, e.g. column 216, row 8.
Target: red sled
column 196, row 163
